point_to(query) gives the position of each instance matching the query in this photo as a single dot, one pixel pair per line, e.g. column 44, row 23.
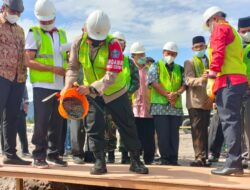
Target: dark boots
column 100, row 165
column 125, row 158
column 136, row 165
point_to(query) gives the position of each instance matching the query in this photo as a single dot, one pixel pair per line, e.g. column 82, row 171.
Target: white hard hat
column 119, row 36
column 45, row 10
column 208, row 14
column 98, row 25
column 137, row 47
column 171, row 46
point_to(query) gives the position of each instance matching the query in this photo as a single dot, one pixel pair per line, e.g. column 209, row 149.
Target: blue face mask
column 200, row 53
column 142, row 61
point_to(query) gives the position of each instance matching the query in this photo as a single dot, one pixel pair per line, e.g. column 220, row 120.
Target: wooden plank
column 160, row 177
column 19, row 184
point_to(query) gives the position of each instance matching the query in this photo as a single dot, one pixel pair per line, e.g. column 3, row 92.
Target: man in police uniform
column 244, row 31
column 132, row 77
column 102, row 60
column 45, row 48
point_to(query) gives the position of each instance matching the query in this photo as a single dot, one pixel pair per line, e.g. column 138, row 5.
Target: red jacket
column 221, row 36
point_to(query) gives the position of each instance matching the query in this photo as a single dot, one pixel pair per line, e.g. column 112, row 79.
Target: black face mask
column 95, row 43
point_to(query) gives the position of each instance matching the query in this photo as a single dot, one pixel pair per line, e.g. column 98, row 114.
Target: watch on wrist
column 92, row 90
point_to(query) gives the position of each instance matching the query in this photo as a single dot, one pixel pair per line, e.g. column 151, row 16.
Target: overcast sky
column 152, row 22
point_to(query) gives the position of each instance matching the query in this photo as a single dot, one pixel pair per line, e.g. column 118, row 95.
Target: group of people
column 135, row 95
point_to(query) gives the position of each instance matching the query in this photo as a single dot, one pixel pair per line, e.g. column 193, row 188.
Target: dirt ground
column 186, row 154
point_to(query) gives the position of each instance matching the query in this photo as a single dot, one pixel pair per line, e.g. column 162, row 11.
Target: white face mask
column 211, row 27
column 48, row 27
column 12, row 19
column 168, row 59
column 246, row 37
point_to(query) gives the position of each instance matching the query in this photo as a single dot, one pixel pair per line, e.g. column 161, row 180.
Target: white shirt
column 58, row 60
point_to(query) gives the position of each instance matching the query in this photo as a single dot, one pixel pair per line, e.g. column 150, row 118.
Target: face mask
column 12, row 19
column 48, row 27
column 169, row 59
column 246, row 37
column 96, row 43
column 142, row 61
column 211, row 27
column 200, row 53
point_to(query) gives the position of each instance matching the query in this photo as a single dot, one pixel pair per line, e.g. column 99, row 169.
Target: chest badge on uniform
column 115, row 54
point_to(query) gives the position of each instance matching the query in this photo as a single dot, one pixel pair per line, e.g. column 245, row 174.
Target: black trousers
column 22, row 131
column 10, row 102
column 122, row 114
column 48, row 124
column 146, row 132
column 246, row 127
column 61, row 141
column 77, row 138
column 167, row 129
column 199, row 119
column 215, row 136
column 229, row 101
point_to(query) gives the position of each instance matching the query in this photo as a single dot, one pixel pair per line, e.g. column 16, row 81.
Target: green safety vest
column 126, row 70
column 45, row 55
column 246, row 59
column 233, row 60
column 95, row 71
column 170, row 83
column 198, row 66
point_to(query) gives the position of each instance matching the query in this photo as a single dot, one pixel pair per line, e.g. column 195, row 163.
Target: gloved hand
column 210, row 85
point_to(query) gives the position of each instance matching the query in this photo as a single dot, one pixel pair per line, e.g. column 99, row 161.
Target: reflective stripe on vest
column 198, row 66
column 233, row 60
column 95, row 71
column 246, row 59
column 170, row 84
column 126, row 70
column 45, row 55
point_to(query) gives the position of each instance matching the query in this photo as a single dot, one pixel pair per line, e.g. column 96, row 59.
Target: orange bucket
column 73, row 105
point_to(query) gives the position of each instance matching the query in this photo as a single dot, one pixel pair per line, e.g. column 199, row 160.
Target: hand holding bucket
column 73, row 105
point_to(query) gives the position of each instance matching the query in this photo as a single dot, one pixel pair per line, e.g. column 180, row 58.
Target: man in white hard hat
column 102, row 61
column 45, row 46
column 141, row 104
column 244, row 31
column 12, row 76
column 227, row 79
column 197, row 101
column 167, row 82
column 132, row 77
